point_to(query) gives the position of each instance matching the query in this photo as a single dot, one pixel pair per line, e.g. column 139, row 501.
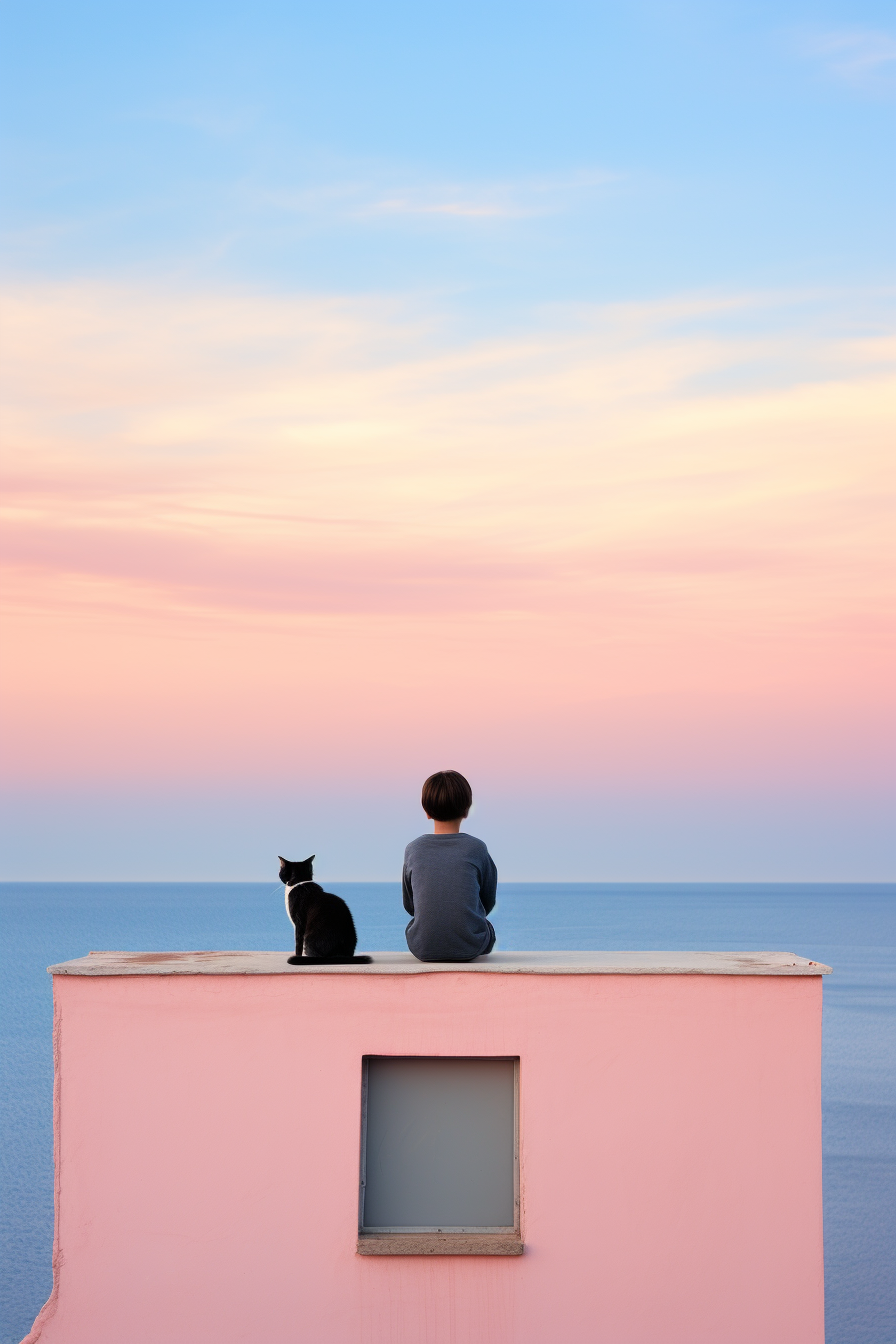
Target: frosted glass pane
column 440, row 1143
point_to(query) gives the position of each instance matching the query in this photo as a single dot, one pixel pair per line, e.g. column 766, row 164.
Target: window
column 439, row 1156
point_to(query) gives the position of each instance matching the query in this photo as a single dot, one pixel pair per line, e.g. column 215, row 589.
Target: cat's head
column 292, row 871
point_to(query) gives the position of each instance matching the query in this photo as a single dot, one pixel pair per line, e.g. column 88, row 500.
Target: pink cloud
column 230, row 519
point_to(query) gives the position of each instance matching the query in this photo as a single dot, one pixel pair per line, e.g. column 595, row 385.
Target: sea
column 850, row 927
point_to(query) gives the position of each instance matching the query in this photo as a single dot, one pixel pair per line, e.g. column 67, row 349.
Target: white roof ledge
column 403, row 963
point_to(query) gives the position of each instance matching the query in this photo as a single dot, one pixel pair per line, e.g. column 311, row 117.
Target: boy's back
column 449, row 884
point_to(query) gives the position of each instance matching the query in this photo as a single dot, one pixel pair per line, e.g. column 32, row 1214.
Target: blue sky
column 497, row 154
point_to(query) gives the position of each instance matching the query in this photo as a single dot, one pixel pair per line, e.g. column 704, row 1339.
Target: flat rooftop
column 402, row 963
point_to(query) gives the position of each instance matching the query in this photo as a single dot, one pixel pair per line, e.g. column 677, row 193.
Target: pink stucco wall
column 207, row 1160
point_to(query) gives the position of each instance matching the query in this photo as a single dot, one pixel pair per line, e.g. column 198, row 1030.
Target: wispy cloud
column 474, row 202
column 507, row 200
column 864, row 58
column 210, row 119
column 457, row 206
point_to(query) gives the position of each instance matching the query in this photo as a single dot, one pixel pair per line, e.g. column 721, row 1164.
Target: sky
column 506, row 388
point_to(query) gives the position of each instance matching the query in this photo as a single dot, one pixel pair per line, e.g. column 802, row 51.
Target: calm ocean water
column 852, row 928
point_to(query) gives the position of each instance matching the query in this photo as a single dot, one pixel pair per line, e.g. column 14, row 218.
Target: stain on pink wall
column 208, row 1150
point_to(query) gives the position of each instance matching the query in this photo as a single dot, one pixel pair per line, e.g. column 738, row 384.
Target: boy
column 449, row 881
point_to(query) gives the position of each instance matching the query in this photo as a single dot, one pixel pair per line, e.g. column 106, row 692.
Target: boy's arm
column 407, row 895
column 488, row 892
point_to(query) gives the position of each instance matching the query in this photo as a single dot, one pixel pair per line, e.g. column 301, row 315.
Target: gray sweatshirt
column 448, row 884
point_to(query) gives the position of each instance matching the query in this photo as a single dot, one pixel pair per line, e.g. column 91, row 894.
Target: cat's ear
column 310, row 857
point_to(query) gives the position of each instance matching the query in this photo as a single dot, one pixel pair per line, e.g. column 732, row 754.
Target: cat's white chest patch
column 286, row 897
column 286, row 901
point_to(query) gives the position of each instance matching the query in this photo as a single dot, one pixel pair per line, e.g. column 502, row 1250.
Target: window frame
column 504, row 1240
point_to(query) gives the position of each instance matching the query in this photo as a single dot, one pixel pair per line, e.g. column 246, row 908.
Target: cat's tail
column 328, row 961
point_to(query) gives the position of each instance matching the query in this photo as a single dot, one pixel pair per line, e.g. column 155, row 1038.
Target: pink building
column 619, row 1147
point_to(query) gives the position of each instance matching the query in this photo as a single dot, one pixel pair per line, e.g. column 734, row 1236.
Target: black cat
column 325, row 930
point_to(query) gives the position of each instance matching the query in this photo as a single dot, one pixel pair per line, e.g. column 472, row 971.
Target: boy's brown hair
column 446, row 796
